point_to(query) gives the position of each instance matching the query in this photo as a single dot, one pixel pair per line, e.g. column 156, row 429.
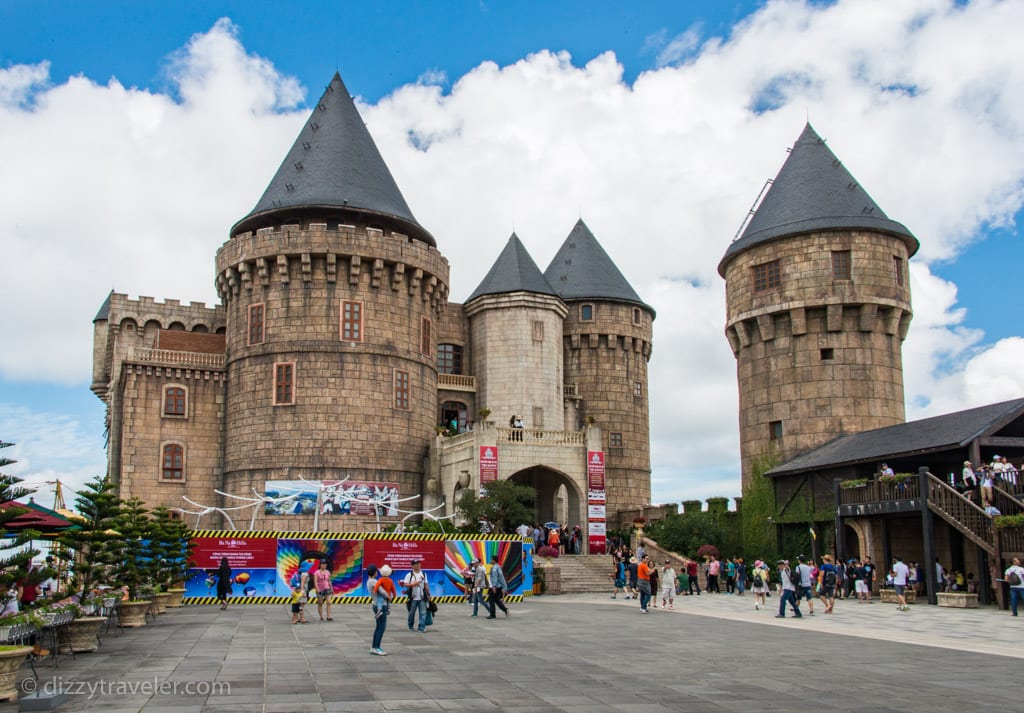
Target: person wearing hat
column 480, row 584
column 382, row 594
column 668, row 585
column 787, row 581
column 418, row 590
column 987, row 481
column 827, row 580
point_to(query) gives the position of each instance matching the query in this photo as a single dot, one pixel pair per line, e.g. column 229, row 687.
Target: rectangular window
column 615, row 440
column 284, row 384
column 174, row 401
column 425, row 349
column 586, row 313
column 538, row 417
column 401, row 390
column 351, row 321
column 255, row 324
column 767, row 276
column 173, row 462
column 775, row 430
column 449, row 358
column 828, row 353
column 636, row 315
column 538, row 331
column 841, row 265
column 897, row 266
column 638, row 389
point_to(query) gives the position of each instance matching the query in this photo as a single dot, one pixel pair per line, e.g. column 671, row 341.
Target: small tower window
column 897, row 266
column 351, row 321
column 425, row 341
column 615, row 439
column 767, row 276
column 401, row 390
column 284, row 384
column 638, row 389
column 828, row 353
column 173, row 458
column 538, row 331
column 256, row 324
column 175, row 401
column 586, row 313
column 636, row 315
column 841, row 265
column 775, row 430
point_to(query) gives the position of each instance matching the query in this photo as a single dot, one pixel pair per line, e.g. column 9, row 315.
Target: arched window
column 175, row 401
column 173, row 462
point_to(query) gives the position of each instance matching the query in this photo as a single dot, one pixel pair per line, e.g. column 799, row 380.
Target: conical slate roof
column 582, row 270
column 513, row 271
column 813, row 192
column 333, row 164
column 104, row 311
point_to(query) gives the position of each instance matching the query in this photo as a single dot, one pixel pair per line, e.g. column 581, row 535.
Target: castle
column 335, row 363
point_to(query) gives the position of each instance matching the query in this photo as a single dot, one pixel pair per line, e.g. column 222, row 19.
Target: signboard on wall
column 596, row 514
column 335, row 497
column 488, row 466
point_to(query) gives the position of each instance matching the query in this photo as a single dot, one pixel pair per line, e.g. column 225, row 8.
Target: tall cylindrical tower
column 331, row 289
column 818, row 305
column 607, row 344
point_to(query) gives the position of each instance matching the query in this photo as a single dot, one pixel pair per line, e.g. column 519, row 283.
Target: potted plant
column 134, row 568
column 14, row 568
column 93, row 547
column 854, row 483
column 176, row 553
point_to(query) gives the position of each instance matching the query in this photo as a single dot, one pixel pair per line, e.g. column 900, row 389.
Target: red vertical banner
column 596, row 514
column 488, row 466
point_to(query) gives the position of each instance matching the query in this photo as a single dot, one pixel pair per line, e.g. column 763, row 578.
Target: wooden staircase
column 970, row 519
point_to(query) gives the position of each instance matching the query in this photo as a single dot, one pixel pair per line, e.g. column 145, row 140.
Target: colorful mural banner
column 263, row 566
column 335, row 497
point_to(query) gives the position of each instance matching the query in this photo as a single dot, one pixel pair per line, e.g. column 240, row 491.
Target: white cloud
column 106, row 186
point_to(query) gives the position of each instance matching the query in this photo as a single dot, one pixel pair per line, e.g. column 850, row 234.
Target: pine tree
column 94, row 546
column 16, row 561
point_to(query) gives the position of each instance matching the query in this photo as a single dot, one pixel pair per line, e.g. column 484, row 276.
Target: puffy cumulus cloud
column 115, row 187
column 106, row 186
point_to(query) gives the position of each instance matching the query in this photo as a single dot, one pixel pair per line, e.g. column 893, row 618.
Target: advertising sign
column 595, row 470
column 596, row 532
column 488, row 466
column 336, row 497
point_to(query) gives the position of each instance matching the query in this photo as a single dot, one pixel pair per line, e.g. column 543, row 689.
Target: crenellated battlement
column 339, row 254
column 166, row 313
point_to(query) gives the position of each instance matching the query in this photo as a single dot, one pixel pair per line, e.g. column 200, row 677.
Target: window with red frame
column 351, row 321
column 174, row 401
column 284, row 384
column 425, row 349
column 174, row 462
column 401, row 389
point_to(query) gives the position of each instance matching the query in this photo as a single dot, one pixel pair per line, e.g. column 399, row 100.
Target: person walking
column 382, row 594
column 668, row 585
column 618, row 576
column 741, row 577
column 1015, row 578
column 498, row 588
column 643, row 581
column 900, row 574
column 827, row 583
column 324, row 590
column 479, row 585
column 788, row 580
column 634, row 579
column 418, row 590
column 714, row 567
column 223, row 582
column 691, row 572
column 759, row 584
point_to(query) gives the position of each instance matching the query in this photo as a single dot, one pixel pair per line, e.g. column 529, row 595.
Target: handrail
column 1006, row 503
column 876, row 491
column 201, row 360
column 536, row 437
column 460, row 382
column 961, row 513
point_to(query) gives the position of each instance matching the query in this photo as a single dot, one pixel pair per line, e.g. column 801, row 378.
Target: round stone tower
column 331, row 289
column 607, row 344
column 818, row 305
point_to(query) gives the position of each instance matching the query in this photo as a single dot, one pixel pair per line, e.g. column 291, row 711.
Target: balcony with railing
column 456, row 382
column 538, row 437
column 166, row 357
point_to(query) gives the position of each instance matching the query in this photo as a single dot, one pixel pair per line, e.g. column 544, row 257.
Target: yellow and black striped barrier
column 447, row 599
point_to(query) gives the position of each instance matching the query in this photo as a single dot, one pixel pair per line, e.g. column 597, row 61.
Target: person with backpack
column 1015, row 578
column 803, row 583
column 788, row 582
column 827, row 578
column 759, row 584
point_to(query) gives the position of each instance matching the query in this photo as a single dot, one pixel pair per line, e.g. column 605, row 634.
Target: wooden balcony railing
column 876, row 492
column 961, row 513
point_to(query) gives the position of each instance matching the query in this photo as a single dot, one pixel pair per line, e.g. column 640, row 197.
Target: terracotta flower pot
column 11, row 659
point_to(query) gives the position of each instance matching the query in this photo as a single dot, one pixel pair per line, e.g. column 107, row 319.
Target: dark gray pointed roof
column 513, row 271
column 104, row 312
column 812, row 192
column 951, row 430
column 582, row 270
column 333, row 165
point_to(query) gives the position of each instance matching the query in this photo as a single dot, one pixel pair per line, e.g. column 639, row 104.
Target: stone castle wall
column 344, row 421
column 817, row 356
column 606, row 358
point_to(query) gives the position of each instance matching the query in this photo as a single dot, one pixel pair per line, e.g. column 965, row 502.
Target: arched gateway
column 558, row 498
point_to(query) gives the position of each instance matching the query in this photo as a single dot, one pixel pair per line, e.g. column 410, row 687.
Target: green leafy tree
column 15, row 566
column 505, row 506
column 686, row 533
column 94, row 548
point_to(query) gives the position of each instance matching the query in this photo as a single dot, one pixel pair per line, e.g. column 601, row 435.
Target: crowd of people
column 977, row 483
column 562, row 538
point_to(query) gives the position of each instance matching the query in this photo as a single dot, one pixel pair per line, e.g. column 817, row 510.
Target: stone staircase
column 585, row 574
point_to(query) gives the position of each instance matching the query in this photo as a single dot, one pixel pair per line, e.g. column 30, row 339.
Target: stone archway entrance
column 558, row 498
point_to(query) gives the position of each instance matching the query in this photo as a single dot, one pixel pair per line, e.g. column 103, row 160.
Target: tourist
column 668, row 585
column 741, row 576
column 382, row 594
column 298, row 600
column 618, row 576
column 644, row 584
column 633, row 569
column 499, row 586
column 417, row 589
column 787, row 583
column 1015, row 578
column 886, row 471
column 691, row 573
column 900, row 580
column 683, row 581
column 223, row 582
column 827, row 583
column 655, row 582
column 714, row 567
column 803, row 583
column 759, row 584
column 324, row 590
column 869, row 578
column 987, row 481
column 730, row 576
column 479, row 585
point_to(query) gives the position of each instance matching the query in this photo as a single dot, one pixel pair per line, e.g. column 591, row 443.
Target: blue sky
column 645, row 118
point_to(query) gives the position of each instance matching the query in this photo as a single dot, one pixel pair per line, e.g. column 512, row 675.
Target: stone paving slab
column 580, row 653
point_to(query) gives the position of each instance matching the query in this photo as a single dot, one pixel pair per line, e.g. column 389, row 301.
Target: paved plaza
column 579, row 654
